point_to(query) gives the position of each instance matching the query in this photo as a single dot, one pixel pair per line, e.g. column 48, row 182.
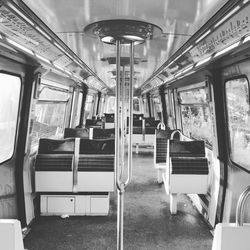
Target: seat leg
column 137, row 148
column 159, row 176
column 173, row 203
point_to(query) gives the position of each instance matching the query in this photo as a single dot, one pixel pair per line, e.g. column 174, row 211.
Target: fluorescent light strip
column 227, row 16
column 68, row 72
column 57, row 71
column 60, row 47
column 170, row 78
column 43, row 33
column 245, row 1
column 20, row 46
column 246, row 39
column 59, row 67
column 1, row 37
column 77, row 77
column 203, row 61
column 203, row 36
column 232, row 46
column 186, row 50
column 20, row 13
column 189, row 73
column 43, row 58
column 188, row 68
column 179, row 73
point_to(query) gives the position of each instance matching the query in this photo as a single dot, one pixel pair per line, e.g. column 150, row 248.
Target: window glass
column 196, row 115
column 111, row 105
column 238, row 113
column 145, row 105
column 10, row 87
column 79, row 107
column 196, row 122
column 50, row 94
column 136, row 105
column 49, row 115
column 89, row 106
column 193, row 96
column 157, row 107
column 168, row 108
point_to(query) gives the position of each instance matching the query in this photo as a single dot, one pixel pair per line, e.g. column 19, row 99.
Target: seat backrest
column 76, row 133
column 109, row 117
column 99, row 133
column 90, row 122
column 52, row 146
column 186, row 148
column 103, row 146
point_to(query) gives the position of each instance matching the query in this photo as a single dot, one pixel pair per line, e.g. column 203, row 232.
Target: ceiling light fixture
column 223, row 51
column 43, row 58
column 227, row 16
column 123, row 30
column 203, row 61
column 203, row 36
column 43, row 33
column 19, row 46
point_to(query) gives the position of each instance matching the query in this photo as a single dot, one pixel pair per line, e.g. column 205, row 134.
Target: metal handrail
column 241, row 206
column 173, row 134
column 120, row 129
column 161, row 126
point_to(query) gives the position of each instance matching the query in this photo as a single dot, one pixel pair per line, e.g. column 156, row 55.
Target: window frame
column 18, row 113
column 229, row 148
column 201, row 85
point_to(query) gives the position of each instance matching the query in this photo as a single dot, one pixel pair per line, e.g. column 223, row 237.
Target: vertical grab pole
column 130, row 152
column 117, row 115
column 122, row 121
column 119, row 185
column 119, row 182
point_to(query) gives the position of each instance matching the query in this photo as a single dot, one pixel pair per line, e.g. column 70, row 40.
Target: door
column 14, row 102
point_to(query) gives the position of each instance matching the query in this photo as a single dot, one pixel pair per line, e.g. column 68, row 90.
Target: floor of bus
column 148, row 224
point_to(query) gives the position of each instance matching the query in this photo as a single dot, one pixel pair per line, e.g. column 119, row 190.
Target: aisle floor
column 148, row 224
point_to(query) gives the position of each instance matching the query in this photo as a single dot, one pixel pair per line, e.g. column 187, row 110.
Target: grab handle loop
column 161, row 126
column 241, row 206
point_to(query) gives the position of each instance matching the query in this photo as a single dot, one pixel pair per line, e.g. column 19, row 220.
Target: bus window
column 238, row 115
column 196, row 115
column 10, row 88
column 50, row 113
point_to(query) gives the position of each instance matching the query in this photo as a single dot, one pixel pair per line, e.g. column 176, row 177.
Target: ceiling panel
column 179, row 19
